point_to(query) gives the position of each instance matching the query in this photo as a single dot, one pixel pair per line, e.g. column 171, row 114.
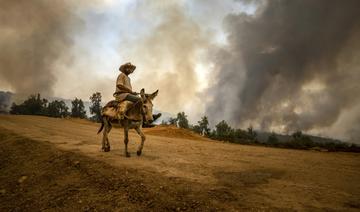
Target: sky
column 276, row 65
column 110, row 33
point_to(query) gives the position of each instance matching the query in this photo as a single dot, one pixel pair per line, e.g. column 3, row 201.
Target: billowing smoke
column 5, row 101
column 293, row 65
column 33, row 35
column 167, row 54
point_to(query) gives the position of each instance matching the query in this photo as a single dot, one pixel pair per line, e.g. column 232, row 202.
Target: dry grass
column 173, row 132
column 197, row 174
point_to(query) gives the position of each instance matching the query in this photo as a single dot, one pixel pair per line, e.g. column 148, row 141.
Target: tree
column 182, row 120
column 240, row 135
column 15, row 109
column 251, row 133
column 272, row 139
column 163, row 122
column 204, row 126
column 301, row 141
column 297, row 135
column 57, row 109
column 78, row 109
column 196, row 128
column 173, row 121
column 34, row 105
column 95, row 107
column 223, row 130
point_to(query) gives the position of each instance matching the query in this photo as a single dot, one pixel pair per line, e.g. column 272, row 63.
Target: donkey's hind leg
column 105, row 141
column 126, row 139
column 139, row 131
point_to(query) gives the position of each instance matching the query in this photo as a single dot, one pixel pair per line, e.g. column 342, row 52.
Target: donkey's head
column 148, row 105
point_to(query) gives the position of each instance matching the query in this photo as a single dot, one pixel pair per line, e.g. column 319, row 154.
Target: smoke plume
column 293, row 65
column 33, row 35
column 166, row 56
column 5, row 101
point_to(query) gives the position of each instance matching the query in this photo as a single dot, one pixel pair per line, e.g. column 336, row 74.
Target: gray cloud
column 292, row 65
column 34, row 34
column 5, row 101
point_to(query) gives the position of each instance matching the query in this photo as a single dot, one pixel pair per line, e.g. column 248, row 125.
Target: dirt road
column 49, row 163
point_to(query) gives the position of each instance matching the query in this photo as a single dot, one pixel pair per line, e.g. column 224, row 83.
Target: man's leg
column 123, row 109
column 120, row 114
column 134, row 99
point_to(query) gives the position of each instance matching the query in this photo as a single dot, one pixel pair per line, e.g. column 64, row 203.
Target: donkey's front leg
column 105, row 141
column 139, row 131
column 126, row 140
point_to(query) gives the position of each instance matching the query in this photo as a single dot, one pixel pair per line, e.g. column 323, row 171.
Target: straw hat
column 127, row 68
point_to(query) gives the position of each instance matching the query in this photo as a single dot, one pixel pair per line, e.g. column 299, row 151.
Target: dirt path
column 197, row 174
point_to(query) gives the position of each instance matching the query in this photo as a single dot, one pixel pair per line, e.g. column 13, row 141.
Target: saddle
column 115, row 104
column 114, row 107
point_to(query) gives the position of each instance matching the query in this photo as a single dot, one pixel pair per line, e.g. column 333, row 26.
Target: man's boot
column 156, row 116
column 149, row 125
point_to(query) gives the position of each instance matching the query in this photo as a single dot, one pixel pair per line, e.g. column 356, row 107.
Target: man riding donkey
column 124, row 92
column 129, row 109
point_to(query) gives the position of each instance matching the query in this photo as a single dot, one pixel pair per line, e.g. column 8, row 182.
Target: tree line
column 224, row 132
column 35, row 105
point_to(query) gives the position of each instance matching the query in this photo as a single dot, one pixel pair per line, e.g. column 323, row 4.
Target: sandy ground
column 57, row 163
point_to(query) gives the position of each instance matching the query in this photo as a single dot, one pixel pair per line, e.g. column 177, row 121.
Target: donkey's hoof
column 138, row 152
column 106, row 149
column 127, row 154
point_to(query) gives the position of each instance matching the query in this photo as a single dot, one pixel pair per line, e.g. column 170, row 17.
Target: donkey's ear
column 153, row 95
column 142, row 93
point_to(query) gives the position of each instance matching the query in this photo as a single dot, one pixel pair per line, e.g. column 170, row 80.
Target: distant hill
column 172, row 131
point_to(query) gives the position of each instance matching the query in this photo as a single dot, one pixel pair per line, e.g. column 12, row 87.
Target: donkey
column 133, row 120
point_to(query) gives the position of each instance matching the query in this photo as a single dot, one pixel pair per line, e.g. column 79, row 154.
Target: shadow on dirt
column 239, row 188
column 248, row 179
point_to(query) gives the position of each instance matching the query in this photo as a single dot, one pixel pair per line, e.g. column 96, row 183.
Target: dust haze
column 293, row 65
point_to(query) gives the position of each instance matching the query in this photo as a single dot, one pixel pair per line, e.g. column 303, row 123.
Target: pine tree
column 78, row 108
column 182, row 120
column 57, row 109
column 95, row 107
column 204, row 126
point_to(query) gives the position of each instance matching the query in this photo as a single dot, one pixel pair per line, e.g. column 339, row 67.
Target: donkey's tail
column 102, row 126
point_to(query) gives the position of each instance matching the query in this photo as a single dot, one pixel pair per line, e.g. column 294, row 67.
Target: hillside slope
column 172, row 131
column 58, row 163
